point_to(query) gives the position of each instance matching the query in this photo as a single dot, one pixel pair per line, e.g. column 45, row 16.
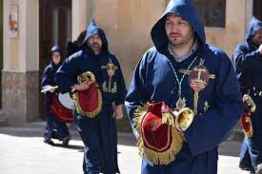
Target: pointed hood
column 253, row 27
column 92, row 29
column 184, row 9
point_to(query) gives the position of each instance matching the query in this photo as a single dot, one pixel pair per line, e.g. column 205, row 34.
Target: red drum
column 62, row 106
column 89, row 102
column 158, row 142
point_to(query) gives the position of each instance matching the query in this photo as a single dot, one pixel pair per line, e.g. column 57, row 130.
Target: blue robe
column 99, row 134
column 248, row 62
column 54, row 127
column 219, row 105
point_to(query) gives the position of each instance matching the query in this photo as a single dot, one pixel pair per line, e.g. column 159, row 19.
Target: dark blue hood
column 187, row 11
column 253, row 27
column 56, row 48
column 92, row 29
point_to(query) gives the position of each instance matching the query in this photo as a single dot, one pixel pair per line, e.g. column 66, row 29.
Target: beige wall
column 82, row 12
column 238, row 14
column 127, row 25
column 21, row 53
column 10, row 61
column 30, row 32
column 20, row 76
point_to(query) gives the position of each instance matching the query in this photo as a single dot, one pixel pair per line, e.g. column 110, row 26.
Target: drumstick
column 48, row 88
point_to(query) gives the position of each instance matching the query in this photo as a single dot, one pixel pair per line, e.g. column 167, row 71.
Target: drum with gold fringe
column 158, row 142
column 88, row 102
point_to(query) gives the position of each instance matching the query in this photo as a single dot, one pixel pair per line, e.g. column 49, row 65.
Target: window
column 212, row 12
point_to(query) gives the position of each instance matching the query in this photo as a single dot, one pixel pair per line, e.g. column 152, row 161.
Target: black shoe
column 49, row 141
column 65, row 141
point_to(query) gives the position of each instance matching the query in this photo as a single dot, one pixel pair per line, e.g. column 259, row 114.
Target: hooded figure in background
column 75, row 46
column 54, row 128
column 182, row 73
column 93, row 76
column 248, row 63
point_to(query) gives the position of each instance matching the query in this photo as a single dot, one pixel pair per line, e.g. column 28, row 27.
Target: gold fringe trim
column 92, row 114
column 168, row 118
column 139, row 114
column 166, row 157
column 158, row 157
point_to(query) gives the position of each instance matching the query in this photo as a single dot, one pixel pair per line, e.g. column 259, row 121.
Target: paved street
column 22, row 151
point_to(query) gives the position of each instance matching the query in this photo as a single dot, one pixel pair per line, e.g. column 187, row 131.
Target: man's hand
column 197, row 85
column 49, row 88
column 81, row 87
column 260, row 49
column 118, row 110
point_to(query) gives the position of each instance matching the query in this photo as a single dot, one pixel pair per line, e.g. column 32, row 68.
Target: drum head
column 66, row 100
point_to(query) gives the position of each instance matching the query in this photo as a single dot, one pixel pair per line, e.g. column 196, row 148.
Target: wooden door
column 257, row 9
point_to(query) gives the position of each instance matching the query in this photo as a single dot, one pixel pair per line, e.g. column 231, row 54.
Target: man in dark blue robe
column 98, row 133
column 55, row 128
column 248, row 61
column 180, row 46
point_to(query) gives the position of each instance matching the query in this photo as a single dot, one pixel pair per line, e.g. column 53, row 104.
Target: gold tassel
column 168, row 118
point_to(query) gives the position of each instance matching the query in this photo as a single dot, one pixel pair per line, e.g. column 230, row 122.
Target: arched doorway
column 55, row 27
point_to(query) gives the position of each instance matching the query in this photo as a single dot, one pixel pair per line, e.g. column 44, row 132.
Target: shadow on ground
column 228, row 148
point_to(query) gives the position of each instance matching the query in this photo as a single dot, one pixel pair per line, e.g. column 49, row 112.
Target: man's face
column 95, row 43
column 179, row 31
column 56, row 57
column 257, row 39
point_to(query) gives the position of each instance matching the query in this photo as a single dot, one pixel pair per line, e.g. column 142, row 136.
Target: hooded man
column 55, row 128
column 248, row 61
column 182, row 72
column 95, row 68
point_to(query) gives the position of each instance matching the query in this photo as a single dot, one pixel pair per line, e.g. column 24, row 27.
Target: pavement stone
column 22, row 151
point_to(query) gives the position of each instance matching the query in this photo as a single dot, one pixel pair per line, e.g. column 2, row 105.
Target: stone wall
column 20, row 76
column 21, row 96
